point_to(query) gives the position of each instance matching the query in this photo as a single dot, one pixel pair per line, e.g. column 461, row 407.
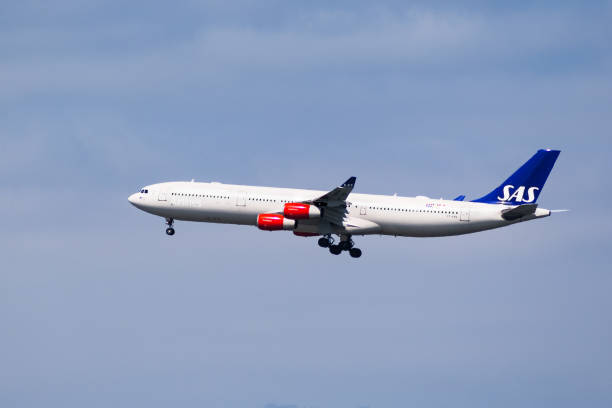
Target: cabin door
column 241, row 200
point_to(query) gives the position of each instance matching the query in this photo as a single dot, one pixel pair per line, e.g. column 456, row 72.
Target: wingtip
column 350, row 182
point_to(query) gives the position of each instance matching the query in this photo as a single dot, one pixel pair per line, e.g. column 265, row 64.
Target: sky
column 99, row 308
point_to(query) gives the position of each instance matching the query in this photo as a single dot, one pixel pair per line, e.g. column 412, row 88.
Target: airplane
column 341, row 212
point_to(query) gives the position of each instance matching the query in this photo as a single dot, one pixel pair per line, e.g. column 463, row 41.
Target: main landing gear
column 345, row 244
column 169, row 230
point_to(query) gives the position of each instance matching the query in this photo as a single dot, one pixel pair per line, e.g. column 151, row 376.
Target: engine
column 300, row 211
column 274, row 222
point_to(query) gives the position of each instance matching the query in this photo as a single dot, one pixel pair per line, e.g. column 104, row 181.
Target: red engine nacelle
column 300, row 211
column 274, row 222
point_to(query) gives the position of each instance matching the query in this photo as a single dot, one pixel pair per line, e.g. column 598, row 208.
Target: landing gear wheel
column 335, row 249
column 346, row 245
column 169, row 223
column 324, row 242
column 355, row 252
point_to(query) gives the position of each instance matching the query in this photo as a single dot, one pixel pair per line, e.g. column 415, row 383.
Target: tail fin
column 526, row 184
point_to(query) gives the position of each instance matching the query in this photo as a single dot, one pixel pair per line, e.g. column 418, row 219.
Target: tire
column 345, row 245
column 335, row 249
column 355, row 252
column 170, row 231
column 324, row 243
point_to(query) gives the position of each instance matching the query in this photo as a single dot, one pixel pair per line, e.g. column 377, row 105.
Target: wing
column 337, row 197
column 333, row 204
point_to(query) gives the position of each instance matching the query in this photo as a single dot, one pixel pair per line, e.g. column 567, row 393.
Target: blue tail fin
column 526, row 184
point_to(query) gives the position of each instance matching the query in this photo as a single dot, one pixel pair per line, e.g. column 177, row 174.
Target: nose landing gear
column 169, row 223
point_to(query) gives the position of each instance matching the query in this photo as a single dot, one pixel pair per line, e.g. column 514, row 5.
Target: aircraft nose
column 132, row 199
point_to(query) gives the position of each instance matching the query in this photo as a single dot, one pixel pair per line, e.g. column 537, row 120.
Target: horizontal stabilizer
column 515, row 213
column 459, row 198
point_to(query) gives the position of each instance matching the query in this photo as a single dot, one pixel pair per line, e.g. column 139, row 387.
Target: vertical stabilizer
column 525, row 185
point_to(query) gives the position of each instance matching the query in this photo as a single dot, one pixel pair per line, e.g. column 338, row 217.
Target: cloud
column 412, row 39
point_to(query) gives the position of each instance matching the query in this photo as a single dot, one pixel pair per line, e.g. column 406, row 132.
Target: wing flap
column 335, row 215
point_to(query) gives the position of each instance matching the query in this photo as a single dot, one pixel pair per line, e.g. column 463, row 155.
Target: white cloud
column 415, row 38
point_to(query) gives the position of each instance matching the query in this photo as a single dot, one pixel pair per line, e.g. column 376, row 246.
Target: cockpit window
column 144, row 191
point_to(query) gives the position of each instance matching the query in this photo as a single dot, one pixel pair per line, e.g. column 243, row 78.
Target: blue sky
column 100, row 308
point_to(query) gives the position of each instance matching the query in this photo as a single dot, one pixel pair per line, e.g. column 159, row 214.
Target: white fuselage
column 366, row 213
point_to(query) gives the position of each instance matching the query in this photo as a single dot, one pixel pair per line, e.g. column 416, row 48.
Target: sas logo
column 518, row 194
